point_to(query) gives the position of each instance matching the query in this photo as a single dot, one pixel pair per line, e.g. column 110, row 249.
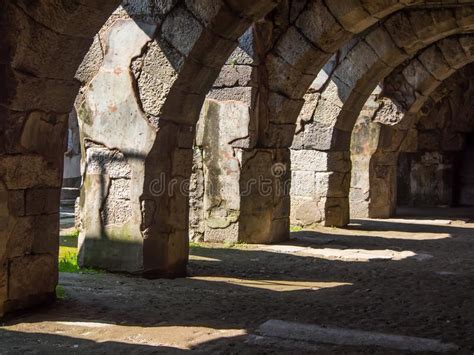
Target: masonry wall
column 438, row 173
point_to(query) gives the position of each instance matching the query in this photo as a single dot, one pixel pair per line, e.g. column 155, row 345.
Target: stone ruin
column 222, row 121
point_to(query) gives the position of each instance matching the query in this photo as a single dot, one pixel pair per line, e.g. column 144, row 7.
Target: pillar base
column 250, row 203
column 337, row 212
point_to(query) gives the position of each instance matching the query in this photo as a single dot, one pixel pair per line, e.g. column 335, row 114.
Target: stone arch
column 291, row 45
column 368, row 60
column 314, row 32
column 42, row 45
column 378, row 136
column 432, row 162
column 400, row 113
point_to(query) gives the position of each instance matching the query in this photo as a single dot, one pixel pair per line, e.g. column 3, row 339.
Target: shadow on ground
column 231, row 291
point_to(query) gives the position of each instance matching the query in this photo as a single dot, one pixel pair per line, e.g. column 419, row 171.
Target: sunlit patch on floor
column 202, row 258
column 360, row 255
column 329, row 232
column 86, row 324
column 273, row 285
column 178, row 337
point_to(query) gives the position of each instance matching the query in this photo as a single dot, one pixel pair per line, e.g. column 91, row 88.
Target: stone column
column 320, row 187
column 244, row 194
column 30, row 187
column 265, row 201
column 134, row 197
column 240, row 187
column 40, row 54
column 383, row 185
column 364, row 144
column 31, row 161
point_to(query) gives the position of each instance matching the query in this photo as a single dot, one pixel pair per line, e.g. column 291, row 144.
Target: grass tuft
column 68, row 262
column 68, row 254
column 60, row 292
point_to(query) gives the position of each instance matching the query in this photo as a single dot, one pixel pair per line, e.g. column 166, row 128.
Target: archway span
column 291, row 45
column 339, row 102
column 397, row 133
column 381, row 130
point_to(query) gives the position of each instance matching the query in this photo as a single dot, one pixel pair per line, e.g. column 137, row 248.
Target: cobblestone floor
column 407, row 277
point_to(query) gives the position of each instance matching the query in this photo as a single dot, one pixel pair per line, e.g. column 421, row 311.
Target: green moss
column 193, row 245
column 123, row 232
column 296, row 229
column 85, row 115
column 60, row 292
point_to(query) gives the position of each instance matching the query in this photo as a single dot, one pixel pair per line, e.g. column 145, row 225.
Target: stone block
column 429, row 140
column 352, row 15
column 235, row 76
column 400, row 30
column 285, row 79
column 318, row 136
column 230, row 234
column 359, row 203
column 320, row 161
column 433, row 60
column 31, row 279
column 16, row 202
column 42, row 201
column 18, row 237
column 34, row 94
column 28, row 171
column 305, row 211
column 453, row 52
column 336, row 212
column 295, row 49
column 318, row 25
column 282, row 110
column 333, row 184
column 303, row 183
column 278, row 136
column 45, row 235
column 181, row 29
column 280, row 231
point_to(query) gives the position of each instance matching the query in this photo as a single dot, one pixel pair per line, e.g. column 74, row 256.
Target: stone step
column 320, row 335
column 68, row 203
column 70, row 193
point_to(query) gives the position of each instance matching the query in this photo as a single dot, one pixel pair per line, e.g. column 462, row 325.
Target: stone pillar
column 40, row 54
column 240, row 187
column 383, row 184
column 134, row 199
column 430, row 179
column 364, row 144
column 240, row 194
column 265, row 200
column 30, row 185
column 320, row 187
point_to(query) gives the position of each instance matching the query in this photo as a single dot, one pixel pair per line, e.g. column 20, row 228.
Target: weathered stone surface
column 41, row 201
column 318, row 25
column 28, row 171
column 32, row 280
column 114, row 177
column 264, row 187
column 336, row 212
column 144, row 80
